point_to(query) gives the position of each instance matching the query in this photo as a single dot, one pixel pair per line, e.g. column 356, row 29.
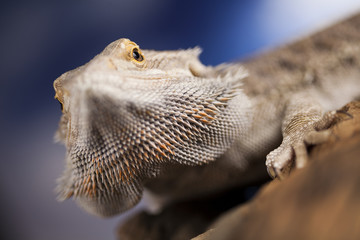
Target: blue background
column 39, row 40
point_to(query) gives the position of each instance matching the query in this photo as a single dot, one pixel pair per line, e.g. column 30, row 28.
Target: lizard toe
column 279, row 161
column 293, row 150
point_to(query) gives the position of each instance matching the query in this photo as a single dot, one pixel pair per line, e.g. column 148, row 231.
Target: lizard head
column 128, row 113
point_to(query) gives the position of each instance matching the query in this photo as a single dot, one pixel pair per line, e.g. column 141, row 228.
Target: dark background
column 39, row 40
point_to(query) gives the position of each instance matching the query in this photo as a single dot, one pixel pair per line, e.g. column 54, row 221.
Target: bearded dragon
column 138, row 119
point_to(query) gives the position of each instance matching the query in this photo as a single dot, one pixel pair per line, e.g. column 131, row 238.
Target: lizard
column 161, row 121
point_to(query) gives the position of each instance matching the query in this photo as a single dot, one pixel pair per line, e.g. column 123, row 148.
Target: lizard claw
column 293, row 151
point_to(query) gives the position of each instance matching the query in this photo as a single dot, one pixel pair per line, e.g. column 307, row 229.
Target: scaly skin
column 161, row 120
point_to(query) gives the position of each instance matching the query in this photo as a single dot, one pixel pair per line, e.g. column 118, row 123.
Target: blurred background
column 40, row 40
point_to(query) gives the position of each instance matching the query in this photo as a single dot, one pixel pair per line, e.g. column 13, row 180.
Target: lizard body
column 161, row 120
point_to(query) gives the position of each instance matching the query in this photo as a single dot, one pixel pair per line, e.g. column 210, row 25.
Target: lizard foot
column 292, row 151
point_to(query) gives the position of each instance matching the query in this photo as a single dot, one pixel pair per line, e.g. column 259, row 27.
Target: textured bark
column 321, row 201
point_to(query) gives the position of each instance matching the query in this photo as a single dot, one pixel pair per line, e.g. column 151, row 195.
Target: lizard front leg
column 304, row 123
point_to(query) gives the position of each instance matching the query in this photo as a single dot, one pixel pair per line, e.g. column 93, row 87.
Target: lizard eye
column 136, row 54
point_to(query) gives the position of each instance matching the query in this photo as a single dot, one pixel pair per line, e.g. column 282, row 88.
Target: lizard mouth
column 59, row 96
